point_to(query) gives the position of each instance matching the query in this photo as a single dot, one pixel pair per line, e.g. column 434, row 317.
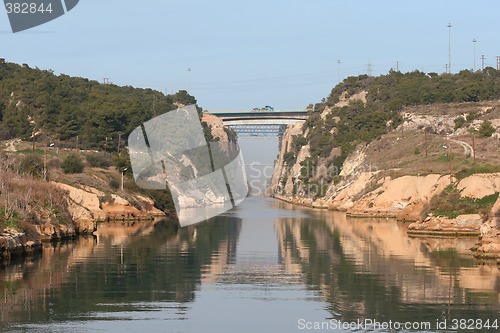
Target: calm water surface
column 263, row 267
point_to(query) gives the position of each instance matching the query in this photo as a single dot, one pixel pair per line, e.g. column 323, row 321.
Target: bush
column 449, row 203
column 122, row 161
column 72, row 164
column 114, row 184
column 486, row 129
column 99, row 160
column 32, row 165
column 459, row 122
column 54, row 163
column 416, row 151
column 289, row 158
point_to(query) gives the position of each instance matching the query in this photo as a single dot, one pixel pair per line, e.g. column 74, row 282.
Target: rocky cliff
column 435, row 155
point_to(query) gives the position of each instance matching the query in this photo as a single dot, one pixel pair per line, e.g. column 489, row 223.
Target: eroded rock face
column 402, row 197
column 83, row 205
column 489, row 246
column 467, row 225
column 479, row 185
column 14, row 243
column 216, row 125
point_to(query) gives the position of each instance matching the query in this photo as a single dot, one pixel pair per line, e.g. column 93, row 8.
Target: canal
column 264, row 266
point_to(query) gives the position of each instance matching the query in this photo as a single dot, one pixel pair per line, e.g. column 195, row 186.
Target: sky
column 246, row 54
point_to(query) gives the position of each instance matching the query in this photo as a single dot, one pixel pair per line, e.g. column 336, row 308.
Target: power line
column 369, row 69
column 449, row 47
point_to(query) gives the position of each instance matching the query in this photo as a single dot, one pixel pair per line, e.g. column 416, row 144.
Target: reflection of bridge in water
column 260, row 123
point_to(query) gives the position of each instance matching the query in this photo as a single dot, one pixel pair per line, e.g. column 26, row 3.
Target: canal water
column 265, row 266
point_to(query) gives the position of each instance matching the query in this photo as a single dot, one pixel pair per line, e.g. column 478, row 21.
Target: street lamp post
column 474, row 43
column 449, row 47
column 123, row 171
column 338, row 71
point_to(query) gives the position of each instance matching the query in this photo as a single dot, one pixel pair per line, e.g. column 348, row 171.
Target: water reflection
column 370, row 268
column 260, row 267
column 126, row 265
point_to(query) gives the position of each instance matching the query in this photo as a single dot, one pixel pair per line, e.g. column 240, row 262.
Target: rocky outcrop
column 489, row 246
column 15, row 244
column 403, row 197
column 86, row 210
column 83, row 205
column 281, row 169
column 122, row 209
column 462, row 225
column 216, row 127
column 479, row 185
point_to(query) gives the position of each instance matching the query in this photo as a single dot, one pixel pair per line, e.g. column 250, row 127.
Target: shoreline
column 15, row 245
column 481, row 256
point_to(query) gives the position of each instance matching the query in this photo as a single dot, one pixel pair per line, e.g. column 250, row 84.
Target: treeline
column 66, row 108
column 397, row 89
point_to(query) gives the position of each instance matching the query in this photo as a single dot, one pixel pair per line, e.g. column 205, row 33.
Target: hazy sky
column 245, row 54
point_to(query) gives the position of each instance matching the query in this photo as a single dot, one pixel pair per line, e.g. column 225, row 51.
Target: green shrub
column 32, row 165
column 99, row 160
column 114, row 184
column 486, row 129
column 72, row 164
column 450, row 204
column 459, row 122
column 289, row 158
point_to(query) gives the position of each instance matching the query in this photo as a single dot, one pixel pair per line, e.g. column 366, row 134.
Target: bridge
column 260, row 123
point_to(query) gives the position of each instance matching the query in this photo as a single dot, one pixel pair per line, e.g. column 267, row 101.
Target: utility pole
column 338, row 71
column 426, row 145
column 33, row 135
column 449, row 47
column 482, row 62
column 446, row 67
column 119, row 142
column 369, row 70
column 397, row 66
column 451, row 162
column 474, row 43
column 474, row 146
column 45, row 162
column 154, row 104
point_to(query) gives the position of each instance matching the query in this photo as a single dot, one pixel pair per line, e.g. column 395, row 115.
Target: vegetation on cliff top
column 76, row 113
column 25, row 200
column 64, row 107
column 334, row 134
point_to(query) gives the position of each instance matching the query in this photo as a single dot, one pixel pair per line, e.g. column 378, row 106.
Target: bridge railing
column 256, row 111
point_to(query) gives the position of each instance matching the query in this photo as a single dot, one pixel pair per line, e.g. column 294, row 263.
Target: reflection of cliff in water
column 371, row 269
column 128, row 264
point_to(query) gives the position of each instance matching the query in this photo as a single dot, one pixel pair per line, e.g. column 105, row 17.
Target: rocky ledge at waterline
column 85, row 209
column 15, row 243
column 406, row 198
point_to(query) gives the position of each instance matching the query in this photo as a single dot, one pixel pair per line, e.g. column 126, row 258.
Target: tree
column 289, row 158
column 32, row 165
column 184, row 98
column 486, row 129
column 72, row 164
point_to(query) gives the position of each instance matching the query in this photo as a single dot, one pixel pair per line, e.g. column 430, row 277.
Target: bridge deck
column 257, row 112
